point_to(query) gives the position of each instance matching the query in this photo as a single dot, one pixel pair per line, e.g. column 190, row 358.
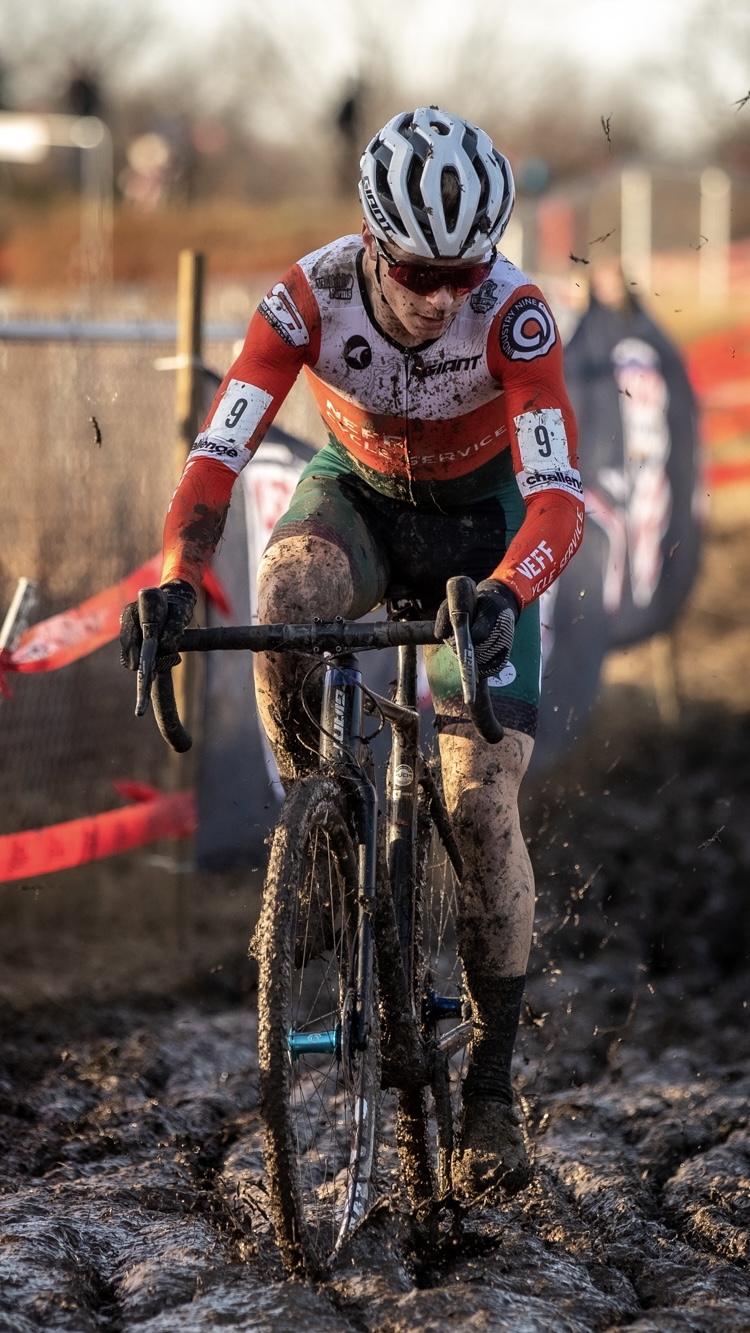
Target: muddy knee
column 302, row 577
column 299, row 578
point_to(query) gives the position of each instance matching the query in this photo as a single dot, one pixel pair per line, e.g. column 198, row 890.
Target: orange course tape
column 154, row 815
column 73, row 634
column 719, row 368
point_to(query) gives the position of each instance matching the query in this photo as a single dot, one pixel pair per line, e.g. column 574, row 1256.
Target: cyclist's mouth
column 434, row 322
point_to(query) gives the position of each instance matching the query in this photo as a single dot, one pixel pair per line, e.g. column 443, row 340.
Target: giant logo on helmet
column 527, row 330
column 380, row 217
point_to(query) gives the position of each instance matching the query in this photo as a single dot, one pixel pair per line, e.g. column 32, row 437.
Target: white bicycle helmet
column 408, row 200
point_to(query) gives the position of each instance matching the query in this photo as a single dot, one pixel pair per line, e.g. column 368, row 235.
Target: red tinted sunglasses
column 426, row 278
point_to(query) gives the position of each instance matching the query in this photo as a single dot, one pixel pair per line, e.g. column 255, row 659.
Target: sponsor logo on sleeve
column 283, row 316
column 210, row 447
column 557, row 479
column 527, row 330
column 338, row 285
column 537, row 561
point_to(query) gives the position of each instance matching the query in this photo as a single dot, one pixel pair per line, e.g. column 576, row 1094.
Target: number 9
column 236, row 413
column 541, row 435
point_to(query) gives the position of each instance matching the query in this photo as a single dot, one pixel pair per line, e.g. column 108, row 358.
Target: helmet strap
column 380, row 284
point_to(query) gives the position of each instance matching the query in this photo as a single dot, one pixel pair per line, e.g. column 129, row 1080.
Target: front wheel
column 426, row 1118
column 319, row 1092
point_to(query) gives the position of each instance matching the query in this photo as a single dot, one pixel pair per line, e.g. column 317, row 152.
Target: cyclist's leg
column 496, row 908
column 321, row 561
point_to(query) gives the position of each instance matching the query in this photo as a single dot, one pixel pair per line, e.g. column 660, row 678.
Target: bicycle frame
column 345, row 700
column 344, row 703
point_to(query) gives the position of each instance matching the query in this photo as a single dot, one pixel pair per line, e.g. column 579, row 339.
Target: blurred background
column 236, row 127
column 131, row 132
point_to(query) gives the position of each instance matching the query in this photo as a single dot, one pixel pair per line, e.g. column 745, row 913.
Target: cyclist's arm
column 526, row 357
column 284, row 335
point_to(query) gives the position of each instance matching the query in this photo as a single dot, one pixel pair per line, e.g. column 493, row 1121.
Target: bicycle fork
column 340, row 747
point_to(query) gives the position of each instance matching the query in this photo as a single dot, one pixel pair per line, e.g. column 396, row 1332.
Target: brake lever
column 462, row 596
column 152, row 612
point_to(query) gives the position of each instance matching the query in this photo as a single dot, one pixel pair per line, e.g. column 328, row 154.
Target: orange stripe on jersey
column 417, row 449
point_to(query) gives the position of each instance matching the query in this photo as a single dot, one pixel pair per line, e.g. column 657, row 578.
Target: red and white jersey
column 417, row 423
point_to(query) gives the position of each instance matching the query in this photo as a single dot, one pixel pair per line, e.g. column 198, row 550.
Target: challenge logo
column 338, row 285
column 357, row 352
column 206, row 446
column 559, row 479
column 527, row 330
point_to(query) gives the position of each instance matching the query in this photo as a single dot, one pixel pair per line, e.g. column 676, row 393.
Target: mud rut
column 132, row 1181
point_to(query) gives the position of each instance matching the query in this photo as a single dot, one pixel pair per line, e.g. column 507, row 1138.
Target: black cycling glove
column 492, row 628
column 181, row 598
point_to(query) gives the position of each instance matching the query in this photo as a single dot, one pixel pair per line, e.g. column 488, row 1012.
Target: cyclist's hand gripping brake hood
column 180, row 603
column 492, row 627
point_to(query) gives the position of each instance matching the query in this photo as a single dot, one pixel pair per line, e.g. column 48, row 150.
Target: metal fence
column 87, row 464
column 87, row 450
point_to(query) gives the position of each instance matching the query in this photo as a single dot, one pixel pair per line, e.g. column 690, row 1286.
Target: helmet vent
column 450, row 191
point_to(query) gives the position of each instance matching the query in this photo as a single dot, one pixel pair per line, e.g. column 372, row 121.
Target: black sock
column 496, row 1014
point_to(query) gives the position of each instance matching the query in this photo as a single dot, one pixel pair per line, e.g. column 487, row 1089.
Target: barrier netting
column 151, row 815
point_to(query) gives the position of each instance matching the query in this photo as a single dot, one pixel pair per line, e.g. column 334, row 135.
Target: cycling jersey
column 433, row 425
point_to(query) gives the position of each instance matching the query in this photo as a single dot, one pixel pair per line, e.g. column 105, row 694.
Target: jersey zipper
column 408, row 371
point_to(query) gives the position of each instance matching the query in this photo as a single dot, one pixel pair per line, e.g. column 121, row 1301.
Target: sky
column 682, row 62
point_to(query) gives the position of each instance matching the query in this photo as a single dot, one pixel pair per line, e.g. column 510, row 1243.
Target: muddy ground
column 132, row 1180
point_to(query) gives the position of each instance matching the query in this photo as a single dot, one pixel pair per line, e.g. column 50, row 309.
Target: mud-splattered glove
column 181, row 598
column 492, row 628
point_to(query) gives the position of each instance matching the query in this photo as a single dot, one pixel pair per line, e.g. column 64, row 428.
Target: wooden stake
column 188, row 416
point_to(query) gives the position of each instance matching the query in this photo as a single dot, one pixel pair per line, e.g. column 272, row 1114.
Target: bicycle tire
column 425, row 1119
column 319, row 1109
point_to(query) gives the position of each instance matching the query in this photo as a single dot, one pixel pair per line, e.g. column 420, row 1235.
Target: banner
column 64, row 638
column 153, row 815
column 640, row 464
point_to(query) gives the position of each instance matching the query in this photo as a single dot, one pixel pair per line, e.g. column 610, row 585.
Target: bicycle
column 360, row 985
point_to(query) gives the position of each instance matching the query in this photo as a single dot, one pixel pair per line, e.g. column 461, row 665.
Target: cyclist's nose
column 442, row 300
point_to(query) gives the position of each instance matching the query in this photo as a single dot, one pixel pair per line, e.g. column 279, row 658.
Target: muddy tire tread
column 414, row 1137
column 315, row 802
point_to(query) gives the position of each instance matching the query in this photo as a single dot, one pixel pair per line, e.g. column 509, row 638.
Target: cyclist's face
column 420, row 317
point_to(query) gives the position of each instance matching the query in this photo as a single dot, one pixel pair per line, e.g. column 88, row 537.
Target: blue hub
column 327, row 1042
column 439, row 1007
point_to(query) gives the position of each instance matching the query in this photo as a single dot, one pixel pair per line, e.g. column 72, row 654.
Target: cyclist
column 437, row 368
